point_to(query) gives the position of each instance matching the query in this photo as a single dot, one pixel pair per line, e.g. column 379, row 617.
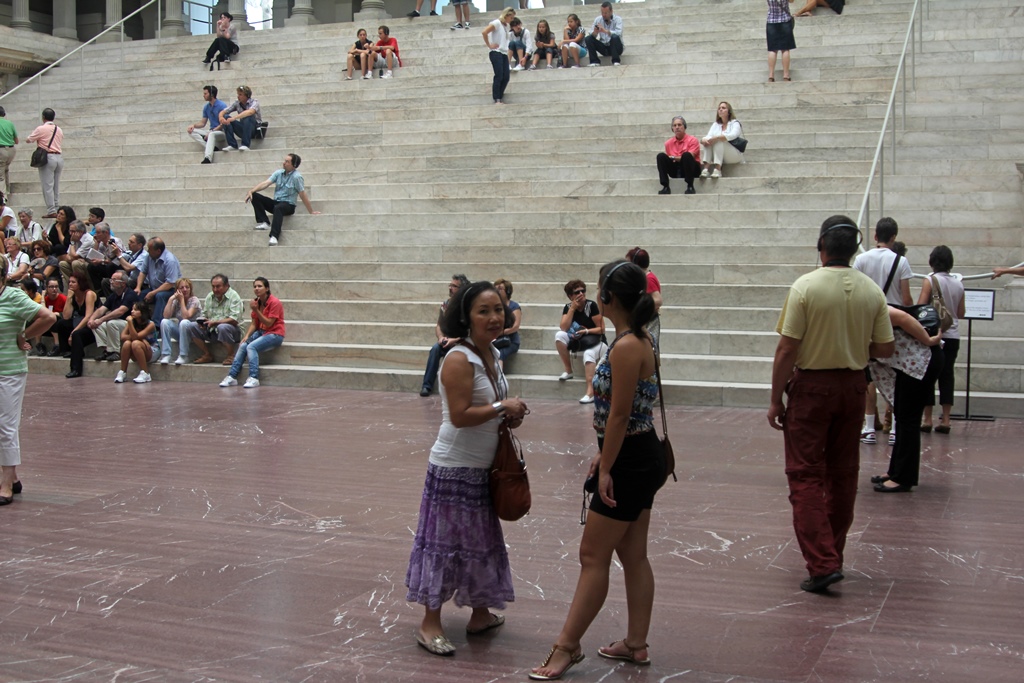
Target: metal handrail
column 877, row 161
column 119, row 25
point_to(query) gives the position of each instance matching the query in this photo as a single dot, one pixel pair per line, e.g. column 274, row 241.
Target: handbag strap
column 51, row 139
column 487, row 368
column 892, row 274
column 937, row 291
column 661, row 394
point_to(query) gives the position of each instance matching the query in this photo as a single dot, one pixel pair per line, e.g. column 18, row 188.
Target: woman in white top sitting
column 716, row 148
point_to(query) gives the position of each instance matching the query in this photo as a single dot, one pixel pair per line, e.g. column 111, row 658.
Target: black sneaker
column 40, row 349
column 690, row 190
column 425, row 391
column 665, row 190
column 206, row 160
column 456, row 27
column 413, row 14
column 434, row 14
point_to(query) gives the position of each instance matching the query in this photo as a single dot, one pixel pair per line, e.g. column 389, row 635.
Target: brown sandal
column 574, row 659
column 631, row 657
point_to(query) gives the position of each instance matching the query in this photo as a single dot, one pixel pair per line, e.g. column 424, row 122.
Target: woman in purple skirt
column 459, row 550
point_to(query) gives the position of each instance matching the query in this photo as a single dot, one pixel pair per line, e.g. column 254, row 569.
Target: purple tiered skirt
column 459, row 550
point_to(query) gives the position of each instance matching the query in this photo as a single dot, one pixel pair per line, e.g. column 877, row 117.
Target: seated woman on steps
column 717, row 147
column 834, row 5
column 225, row 42
column 360, row 52
column 138, row 342
column 573, row 36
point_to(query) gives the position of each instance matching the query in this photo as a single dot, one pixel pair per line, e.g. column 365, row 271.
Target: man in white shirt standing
column 605, row 37
column 893, row 277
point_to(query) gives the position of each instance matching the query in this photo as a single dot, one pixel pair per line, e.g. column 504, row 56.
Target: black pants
column 950, row 350
column 261, row 204
column 911, row 396
column 687, row 168
column 79, row 340
column 595, row 47
column 223, row 45
column 499, row 62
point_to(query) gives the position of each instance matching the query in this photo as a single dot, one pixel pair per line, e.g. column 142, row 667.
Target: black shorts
column 637, row 474
column 780, row 36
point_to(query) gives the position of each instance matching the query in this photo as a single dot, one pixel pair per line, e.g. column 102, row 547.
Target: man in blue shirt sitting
column 214, row 137
column 605, row 37
column 288, row 184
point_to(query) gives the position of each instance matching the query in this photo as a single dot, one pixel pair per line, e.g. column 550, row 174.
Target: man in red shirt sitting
column 386, row 50
column 681, row 158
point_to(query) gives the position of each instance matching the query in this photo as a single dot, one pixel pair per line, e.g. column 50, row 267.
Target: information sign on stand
column 979, row 304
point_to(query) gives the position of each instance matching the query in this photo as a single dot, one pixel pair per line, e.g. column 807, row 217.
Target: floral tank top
column 641, row 415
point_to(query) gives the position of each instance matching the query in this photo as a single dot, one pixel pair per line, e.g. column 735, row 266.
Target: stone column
column 302, row 14
column 173, row 24
column 371, row 10
column 65, row 19
column 111, row 15
column 237, row 9
column 19, row 16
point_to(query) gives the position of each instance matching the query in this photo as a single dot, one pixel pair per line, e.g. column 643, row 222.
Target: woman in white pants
column 20, row 319
column 715, row 146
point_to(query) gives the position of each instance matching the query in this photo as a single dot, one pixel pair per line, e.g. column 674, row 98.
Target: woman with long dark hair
column 459, row 550
column 630, row 466
column 265, row 333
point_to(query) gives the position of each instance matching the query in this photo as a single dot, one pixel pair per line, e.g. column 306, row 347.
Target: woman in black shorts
column 630, row 465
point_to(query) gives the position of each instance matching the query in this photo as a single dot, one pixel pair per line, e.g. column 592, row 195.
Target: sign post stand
column 979, row 304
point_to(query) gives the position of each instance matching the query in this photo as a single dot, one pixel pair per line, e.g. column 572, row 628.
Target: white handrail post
column 904, row 110
column 881, row 180
column 81, row 80
column 913, row 63
column 122, row 44
column 159, row 19
column 867, row 217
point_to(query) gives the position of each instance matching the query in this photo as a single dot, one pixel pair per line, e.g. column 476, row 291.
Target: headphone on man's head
column 605, row 295
column 821, row 238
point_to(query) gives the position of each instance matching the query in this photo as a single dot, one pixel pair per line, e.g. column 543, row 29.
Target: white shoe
column 705, row 173
column 251, row 383
column 575, row 66
column 717, row 173
column 243, row 148
column 367, row 76
column 564, row 376
column 387, row 74
column 594, row 64
column 517, row 67
column 121, row 375
column 165, row 360
column 587, row 399
column 228, row 148
column 262, row 226
column 868, row 437
column 229, row 381
column 533, row 67
column 466, row 25
column 180, row 360
column 348, row 78
column 143, row 377
column 551, row 66
column 272, row 242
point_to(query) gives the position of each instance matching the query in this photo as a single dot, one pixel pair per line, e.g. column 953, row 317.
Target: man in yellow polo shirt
column 833, row 321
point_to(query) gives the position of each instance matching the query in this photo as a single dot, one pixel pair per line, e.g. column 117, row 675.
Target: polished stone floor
column 177, row 532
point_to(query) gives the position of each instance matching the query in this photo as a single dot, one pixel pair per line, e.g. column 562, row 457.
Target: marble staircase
column 420, row 177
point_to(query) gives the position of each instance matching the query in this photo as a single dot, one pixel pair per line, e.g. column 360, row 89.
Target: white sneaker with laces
column 551, row 66
column 180, row 360
column 272, row 242
column 705, row 173
column 228, row 148
column 717, row 173
column 594, row 64
column 251, row 383
column 367, row 76
column 243, row 148
column 229, row 381
column 165, row 360
column 387, row 74
column 262, row 226
column 348, row 78
column 587, row 399
column 517, row 67
column 121, row 375
column 564, row 376
column 143, row 377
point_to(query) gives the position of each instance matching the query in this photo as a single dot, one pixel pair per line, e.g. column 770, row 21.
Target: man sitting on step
column 214, row 137
column 444, row 344
column 222, row 311
column 288, row 184
column 605, row 37
column 242, row 118
column 681, row 158
column 386, row 51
